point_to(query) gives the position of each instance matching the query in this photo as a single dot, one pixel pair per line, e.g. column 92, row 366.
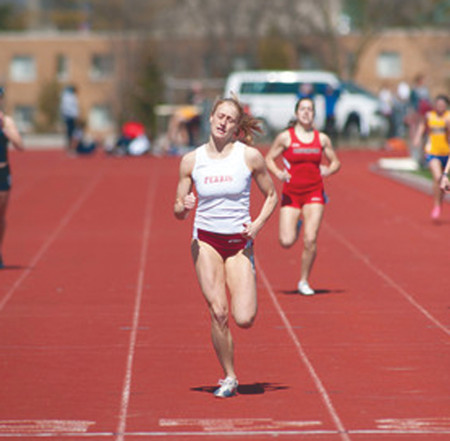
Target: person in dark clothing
column 8, row 134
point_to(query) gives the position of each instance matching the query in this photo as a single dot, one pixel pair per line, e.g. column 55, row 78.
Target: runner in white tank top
column 223, row 189
column 221, row 172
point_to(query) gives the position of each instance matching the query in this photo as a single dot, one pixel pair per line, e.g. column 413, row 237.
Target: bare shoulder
column 187, row 162
column 325, row 141
column 253, row 158
column 283, row 138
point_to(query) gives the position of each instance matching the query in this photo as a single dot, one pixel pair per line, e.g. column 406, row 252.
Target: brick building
column 101, row 65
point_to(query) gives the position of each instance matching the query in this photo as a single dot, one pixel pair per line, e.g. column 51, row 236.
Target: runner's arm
column 185, row 199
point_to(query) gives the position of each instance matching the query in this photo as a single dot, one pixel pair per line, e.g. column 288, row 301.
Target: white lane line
column 28, row 427
column 316, row 379
column 386, row 278
column 121, row 426
column 49, row 242
column 235, row 424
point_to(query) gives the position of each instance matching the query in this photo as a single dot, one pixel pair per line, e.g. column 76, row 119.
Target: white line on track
column 121, row 426
column 317, row 381
column 48, row 243
column 227, row 434
column 360, row 255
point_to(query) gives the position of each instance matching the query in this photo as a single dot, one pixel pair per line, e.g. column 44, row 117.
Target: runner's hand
column 250, row 231
column 189, row 201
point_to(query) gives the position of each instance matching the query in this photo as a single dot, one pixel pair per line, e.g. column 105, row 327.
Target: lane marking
column 233, row 424
column 437, row 425
column 176, row 435
column 28, row 427
column 121, row 426
column 315, row 377
column 49, row 242
column 359, row 254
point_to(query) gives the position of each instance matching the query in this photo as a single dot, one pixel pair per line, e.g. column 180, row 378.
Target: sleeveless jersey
column 437, row 134
column 3, row 147
column 302, row 160
column 223, row 189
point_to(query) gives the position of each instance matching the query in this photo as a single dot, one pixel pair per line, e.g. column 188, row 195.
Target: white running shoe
column 304, row 288
column 228, row 388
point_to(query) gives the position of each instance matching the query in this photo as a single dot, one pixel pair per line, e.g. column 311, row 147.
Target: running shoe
column 305, row 289
column 228, row 388
column 436, row 212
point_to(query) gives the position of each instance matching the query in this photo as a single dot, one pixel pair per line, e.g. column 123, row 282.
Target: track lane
column 380, row 360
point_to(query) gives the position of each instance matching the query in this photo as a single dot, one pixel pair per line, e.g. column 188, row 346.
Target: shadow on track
column 290, row 292
column 246, row 389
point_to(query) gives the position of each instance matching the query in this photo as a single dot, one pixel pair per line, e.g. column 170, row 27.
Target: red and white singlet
column 223, row 189
column 302, row 161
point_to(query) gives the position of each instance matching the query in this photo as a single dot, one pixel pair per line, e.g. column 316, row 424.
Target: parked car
column 271, row 97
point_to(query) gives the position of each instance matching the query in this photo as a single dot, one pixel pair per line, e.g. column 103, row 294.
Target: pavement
column 402, row 170
column 44, row 141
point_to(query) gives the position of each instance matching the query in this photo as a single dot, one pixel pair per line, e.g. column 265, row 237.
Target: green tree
column 48, row 106
column 273, row 51
column 10, row 19
column 146, row 93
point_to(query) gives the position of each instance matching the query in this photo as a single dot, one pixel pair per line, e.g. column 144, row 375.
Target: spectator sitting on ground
column 132, row 141
column 80, row 143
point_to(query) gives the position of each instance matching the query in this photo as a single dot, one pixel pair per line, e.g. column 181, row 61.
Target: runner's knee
column 220, row 316
column 244, row 321
column 287, row 240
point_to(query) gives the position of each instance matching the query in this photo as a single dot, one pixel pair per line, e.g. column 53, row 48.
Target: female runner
column 8, row 133
column 222, row 247
column 301, row 147
column 437, row 148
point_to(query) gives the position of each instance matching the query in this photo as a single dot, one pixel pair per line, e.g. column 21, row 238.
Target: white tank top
column 223, row 189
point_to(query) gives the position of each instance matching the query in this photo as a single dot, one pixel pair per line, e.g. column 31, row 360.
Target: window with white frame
column 22, row 68
column 100, row 117
column 24, row 117
column 102, row 66
column 389, row 64
column 62, row 67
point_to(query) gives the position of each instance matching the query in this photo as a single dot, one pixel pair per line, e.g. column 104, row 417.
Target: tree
column 10, row 18
column 48, row 105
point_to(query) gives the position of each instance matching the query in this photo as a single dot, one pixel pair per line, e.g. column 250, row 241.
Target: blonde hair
column 248, row 126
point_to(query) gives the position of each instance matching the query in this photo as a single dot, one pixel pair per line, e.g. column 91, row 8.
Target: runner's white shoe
column 228, row 388
column 305, row 289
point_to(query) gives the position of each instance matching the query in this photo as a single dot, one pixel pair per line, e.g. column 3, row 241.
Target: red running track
column 104, row 334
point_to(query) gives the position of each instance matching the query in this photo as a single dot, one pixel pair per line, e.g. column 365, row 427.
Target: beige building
column 99, row 65
column 29, row 62
column 396, row 56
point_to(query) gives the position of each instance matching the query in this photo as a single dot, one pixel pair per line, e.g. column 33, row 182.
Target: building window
column 62, row 67
column 389, row 65
column 24, row 118
column 102, row 66
column 22, row 68
column 100, row 117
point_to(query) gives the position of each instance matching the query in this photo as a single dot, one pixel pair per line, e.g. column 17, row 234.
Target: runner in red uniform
column 301, row 147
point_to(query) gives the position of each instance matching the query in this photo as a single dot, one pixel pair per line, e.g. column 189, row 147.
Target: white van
column 271, row 97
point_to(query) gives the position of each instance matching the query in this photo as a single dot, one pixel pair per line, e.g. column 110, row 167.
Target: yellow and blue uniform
column 437, row 146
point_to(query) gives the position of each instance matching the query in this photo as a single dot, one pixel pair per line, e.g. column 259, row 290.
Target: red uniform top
column 302, row 160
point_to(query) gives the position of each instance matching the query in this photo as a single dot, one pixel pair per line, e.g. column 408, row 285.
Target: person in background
column 331, row 98
column 80, row 143
column 386, row 100
column 8, row 134
column 222, row 246
column 436, row 125
column 70, row 112
column 302, row 147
